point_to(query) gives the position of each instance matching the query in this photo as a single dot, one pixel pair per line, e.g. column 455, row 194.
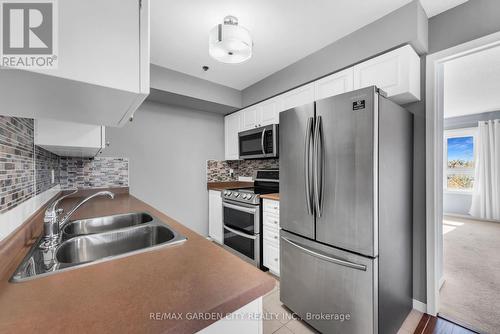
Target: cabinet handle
column 275, row 237
column 276, row 259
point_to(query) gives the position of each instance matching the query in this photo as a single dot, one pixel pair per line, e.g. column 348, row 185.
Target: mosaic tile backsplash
column 218, row 171
column 98, row 172
column 16, row 161
column 26, row 169
column 46, row 162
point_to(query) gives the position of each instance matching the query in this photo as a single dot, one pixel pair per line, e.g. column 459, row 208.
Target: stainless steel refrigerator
column 346, row 213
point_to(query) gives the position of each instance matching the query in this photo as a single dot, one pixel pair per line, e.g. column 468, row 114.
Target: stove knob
column 245, row 196
column 225, row 192
column 250, row 196
column 228, row 193
column 236, row 194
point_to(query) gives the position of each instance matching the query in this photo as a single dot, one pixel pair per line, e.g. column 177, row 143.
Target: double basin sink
column 94, row 240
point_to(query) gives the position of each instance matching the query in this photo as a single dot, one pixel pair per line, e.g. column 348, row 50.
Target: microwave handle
column 262, row 141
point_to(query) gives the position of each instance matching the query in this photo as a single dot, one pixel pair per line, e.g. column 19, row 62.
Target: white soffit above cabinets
column 283, row 31
column 435, row 7
column 472, row 83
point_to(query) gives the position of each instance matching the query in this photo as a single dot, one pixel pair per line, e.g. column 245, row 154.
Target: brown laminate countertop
column 228, row 185
column 275, row 196
column 119, row 296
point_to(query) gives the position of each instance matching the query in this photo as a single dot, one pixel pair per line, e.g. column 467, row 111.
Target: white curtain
column 486, row 192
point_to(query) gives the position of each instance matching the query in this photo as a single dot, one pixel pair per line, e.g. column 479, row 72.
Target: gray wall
column 164, row 79
column 469, row 121
column 168, row 148
column 419, row 196
column 471, row 20
column 457, row 203
column 407, row 24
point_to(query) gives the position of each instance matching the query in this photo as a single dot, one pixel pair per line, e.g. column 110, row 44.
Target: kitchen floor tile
column 283, row 330
column 271, row 326
column 297, row 326
column 276, row 309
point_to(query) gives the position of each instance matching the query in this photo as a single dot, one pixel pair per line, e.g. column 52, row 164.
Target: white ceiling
column 283, row 32
column 472, row 84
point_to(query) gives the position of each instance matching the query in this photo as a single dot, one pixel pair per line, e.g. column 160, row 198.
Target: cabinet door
column 298, row 96
column 215, row 215
column 250, row 117
column 269, row 111
column 397, row 73
column 68, row 138
column 334, row 84
column 231, row 128
column 271, row 257
column 106, row 52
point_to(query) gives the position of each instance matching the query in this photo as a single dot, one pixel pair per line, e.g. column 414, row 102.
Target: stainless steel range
column 241, row 212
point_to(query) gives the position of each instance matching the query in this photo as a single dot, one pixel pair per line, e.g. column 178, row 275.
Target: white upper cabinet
column 269, row 111
column 103, row 66
column 334, row 84
column 298, row 96
column 231, row 129
column 250, row 117
column 69, row 139
column 397, row 73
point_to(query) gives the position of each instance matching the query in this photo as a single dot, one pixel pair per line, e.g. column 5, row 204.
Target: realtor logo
column 28, row 36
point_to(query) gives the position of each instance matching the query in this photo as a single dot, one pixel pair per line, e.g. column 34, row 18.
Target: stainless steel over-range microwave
column 259, row 143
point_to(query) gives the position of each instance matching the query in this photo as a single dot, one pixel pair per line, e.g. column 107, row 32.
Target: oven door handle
column 239, row 208
column 241, row 234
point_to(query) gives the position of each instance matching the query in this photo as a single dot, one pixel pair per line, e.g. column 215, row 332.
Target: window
column 459, row 159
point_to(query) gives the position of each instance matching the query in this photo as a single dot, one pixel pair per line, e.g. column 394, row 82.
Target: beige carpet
column 471, row 292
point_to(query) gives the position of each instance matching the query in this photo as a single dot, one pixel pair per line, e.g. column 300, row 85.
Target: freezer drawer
column 325, row 286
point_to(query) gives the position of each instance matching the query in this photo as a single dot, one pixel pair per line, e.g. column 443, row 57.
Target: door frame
column 434, row 127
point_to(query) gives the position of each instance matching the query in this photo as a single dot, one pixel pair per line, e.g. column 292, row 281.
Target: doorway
column 463, row 217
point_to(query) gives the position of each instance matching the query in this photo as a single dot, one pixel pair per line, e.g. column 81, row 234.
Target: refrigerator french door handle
column 307, row 161
column 327, row 258
column 318, row 162
column 262, row 141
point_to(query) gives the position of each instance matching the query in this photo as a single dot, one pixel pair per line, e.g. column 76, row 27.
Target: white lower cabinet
column 215, row 215
column 245, row 320
column 270, row 233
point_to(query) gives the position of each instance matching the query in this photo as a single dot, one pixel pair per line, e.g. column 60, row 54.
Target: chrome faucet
column 52, row 224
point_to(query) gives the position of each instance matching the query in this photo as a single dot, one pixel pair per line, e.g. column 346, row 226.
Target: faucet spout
column 66, row 217
column 52, row 223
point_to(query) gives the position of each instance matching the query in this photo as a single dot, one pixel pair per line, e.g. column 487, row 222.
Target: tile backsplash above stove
column 220, row 170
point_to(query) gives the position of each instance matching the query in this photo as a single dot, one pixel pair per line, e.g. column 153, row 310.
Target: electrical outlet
column 231, row 172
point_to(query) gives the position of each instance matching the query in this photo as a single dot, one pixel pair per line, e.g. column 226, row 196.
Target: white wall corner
column 419, row 306
column 12, row 219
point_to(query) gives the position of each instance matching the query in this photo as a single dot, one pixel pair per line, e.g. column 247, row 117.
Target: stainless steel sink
column 97, row 240
column 103, row 224
column 98, row 246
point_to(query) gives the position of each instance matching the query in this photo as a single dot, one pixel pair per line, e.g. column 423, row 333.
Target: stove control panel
column 241, row 197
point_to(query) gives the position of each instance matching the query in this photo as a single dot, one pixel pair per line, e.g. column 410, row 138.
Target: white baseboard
column 457, row 215
column 419, row 306
column 12, row 219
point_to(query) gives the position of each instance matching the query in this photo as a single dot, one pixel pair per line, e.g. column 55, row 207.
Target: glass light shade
column 230, row 43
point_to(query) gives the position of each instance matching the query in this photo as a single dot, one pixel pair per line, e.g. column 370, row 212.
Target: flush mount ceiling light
column 229, row 42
